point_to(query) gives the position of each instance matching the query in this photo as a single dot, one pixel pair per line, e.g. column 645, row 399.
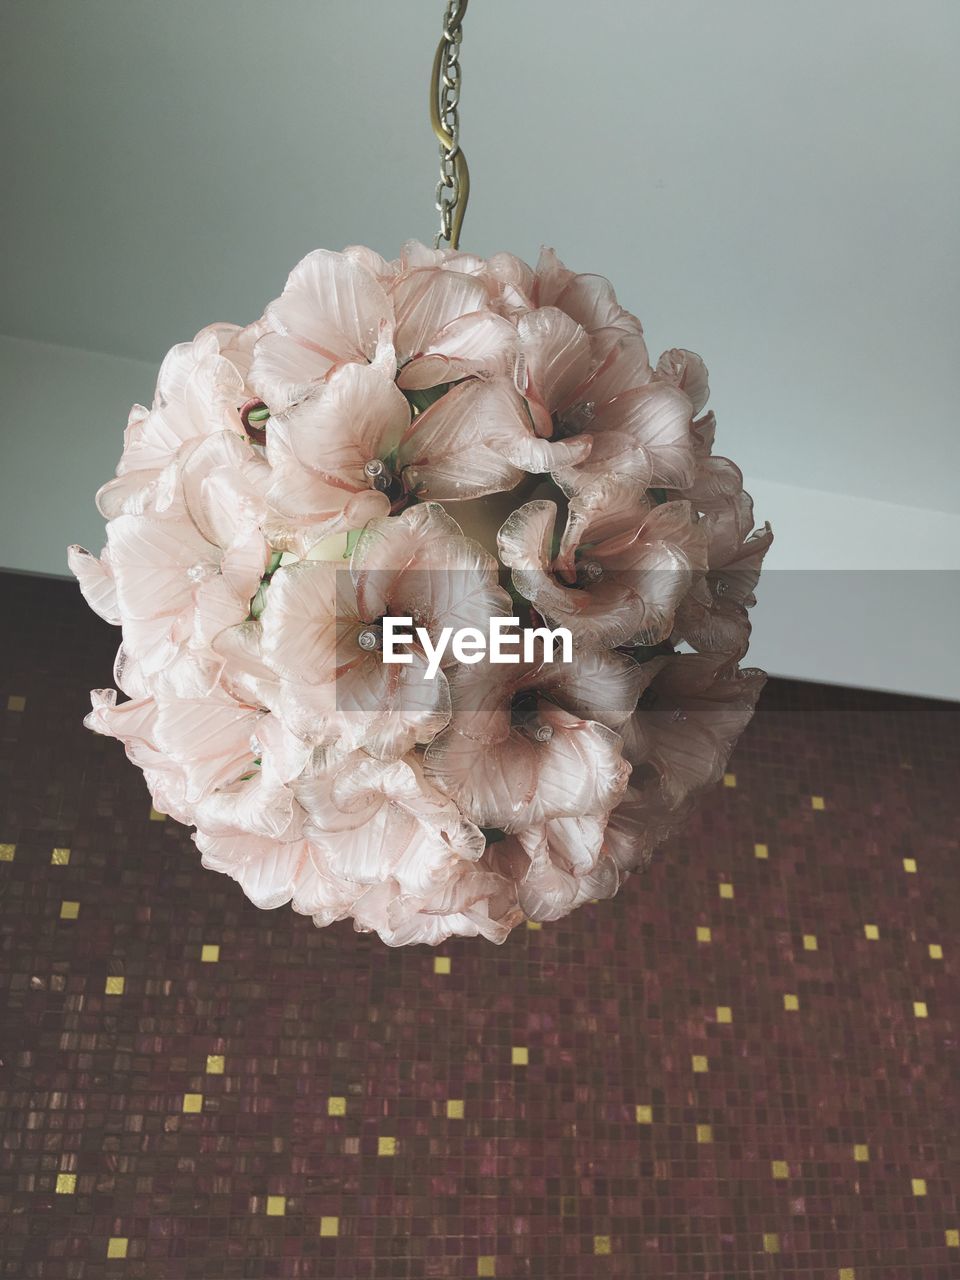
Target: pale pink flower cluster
column 449, row 438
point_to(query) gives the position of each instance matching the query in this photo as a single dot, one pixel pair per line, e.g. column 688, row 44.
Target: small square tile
column 771, row 1242
column 66, row 1184
column 817, row 802
column 871, row 931
column 910, row 865
column 441, row 964
column 729, row 779
column 117, row 1247
column 761, row 851
column 519, row 1055
column 703, row 933
column 935, row 950
column 455, row 1109
column 193, row 1103
column 918, row 1186
column 952, row 1238
column 704, row 1133
column 861, row 1152
column 810, row 942
column 210, row 952
column 386, row 1146
column 644, row 1115
column 60, row 857
column 215, row 1064
column 329, row 1226
column 846, row 1273
column 7, row 852
column 920, row 1009
column 276, row 1206
column 69, row 910
column 336, row 1106
column 791, row 1003
column 532, row 924
column 699, row 1063
column 156, row 815
column 486, row 1266
column 724, row 1013
column 114, row 986
column 726, row 891
column 601, row 1244
column 16, row 702
column 780, row 1169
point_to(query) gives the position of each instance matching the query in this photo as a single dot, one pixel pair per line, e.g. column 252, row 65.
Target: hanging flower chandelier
column 438, row 446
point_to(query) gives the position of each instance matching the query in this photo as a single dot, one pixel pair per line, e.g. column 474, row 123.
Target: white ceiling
column 773, row 184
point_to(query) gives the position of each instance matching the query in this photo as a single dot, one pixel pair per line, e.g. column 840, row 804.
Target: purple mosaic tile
column 743, row 1065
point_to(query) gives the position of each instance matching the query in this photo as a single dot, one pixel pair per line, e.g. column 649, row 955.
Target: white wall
column 61, row 428
column 770, row 183
column 855, row 591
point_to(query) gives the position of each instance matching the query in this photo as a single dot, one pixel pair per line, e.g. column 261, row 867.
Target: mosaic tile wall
column 745, row 1065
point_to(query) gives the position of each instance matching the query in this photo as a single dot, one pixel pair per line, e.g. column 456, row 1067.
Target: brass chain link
column 453, row 189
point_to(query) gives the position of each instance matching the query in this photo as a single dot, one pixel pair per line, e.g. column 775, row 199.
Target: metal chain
column 453, row 189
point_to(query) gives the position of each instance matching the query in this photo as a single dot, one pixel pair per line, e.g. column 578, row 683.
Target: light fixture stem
column 453, row 189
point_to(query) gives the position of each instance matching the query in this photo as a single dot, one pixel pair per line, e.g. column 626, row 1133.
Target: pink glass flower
column 621, row 567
